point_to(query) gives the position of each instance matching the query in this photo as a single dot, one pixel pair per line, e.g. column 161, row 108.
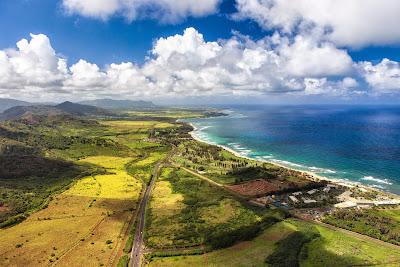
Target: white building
column 345, row 205
column 308, row 201
column 326, row 189
column 311, row 192
column 294, row 199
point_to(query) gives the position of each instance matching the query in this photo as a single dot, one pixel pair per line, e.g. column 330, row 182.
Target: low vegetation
column 186, row 211
column 74, row 178
column 239, row 173
column 383, row 224
column 294, row 243
column 290, row 250
column 69, row 189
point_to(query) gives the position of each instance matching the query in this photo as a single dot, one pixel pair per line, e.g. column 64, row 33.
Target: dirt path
column 211, row 182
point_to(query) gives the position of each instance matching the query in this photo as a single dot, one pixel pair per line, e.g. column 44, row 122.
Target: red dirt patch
column 257, row 187
column 4, row 208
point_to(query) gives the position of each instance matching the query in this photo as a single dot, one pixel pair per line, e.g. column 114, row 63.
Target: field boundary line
column 78, row 242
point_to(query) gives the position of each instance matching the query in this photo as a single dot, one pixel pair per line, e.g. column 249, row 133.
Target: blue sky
column 80, row 33
column 115, row 39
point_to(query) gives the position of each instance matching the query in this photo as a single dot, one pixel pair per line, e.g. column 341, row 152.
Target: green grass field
column 383, row 224
column 226, row 168
column 247, row 253
column 330, row 249
column 187, row 211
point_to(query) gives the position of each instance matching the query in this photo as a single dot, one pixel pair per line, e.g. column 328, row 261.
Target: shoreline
column 314, row 176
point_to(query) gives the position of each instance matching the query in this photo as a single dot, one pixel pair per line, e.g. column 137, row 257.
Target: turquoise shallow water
column 358, row 144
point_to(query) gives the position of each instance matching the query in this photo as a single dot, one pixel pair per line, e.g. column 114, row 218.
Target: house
column 311, row 192
column 308, row 201
column 326, row 189
column 264, row 200
column 294, row 199
column 387, row 202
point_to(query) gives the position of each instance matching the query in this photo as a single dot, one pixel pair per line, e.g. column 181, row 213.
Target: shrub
column 288, row 251
column 123, row 261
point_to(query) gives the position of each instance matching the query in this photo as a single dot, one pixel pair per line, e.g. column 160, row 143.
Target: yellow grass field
column 166, row 205
column 130, row 125
column 81, row 227
column 174, row 114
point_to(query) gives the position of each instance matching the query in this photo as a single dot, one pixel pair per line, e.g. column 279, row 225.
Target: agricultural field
column 142, row 168
column 173, row 113
column 82, row 226
column 132, row 125
column 186, row 211
column 292, row 243
column 80, row 180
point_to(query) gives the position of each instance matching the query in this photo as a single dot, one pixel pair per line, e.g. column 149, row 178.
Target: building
column 387, row 202
column 345, row 205
column 326, row 189
column 311, row 192
column 294, row 199
column 308, row 201
column 264, row 200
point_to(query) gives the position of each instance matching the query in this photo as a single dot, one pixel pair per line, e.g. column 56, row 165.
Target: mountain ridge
column 109, row 103
column 63, row 109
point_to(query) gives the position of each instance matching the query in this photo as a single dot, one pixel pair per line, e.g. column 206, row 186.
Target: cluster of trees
column 198, row 151
column 371, row 222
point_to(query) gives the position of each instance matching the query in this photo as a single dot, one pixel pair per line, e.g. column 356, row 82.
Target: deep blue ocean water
column 358, row 144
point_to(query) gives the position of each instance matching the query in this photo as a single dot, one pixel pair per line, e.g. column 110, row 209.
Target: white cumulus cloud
column 188, row 65
column 384, row 76
column 354, row 23
column 33, row 63
column 165, row 10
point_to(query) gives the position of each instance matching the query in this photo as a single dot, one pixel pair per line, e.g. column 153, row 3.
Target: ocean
column 351, row 143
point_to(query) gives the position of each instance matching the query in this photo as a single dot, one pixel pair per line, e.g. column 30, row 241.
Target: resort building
column 308, row 201
column 311, row 192
column 326, row 189
column 345, row 205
